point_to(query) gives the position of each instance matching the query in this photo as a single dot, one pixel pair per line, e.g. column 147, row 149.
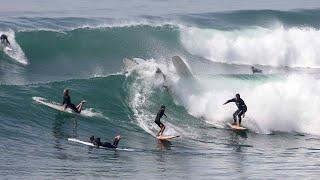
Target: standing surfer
column 157, row 120
column 67, row 102
column 242, row 109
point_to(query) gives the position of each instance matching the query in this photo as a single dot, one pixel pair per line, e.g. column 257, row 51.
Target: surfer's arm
column 64, row 104
column 165, row 115
column 231, row 100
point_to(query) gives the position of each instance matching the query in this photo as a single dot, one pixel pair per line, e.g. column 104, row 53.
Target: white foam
column 277, row 46
column 287, row 105
column 141, row 90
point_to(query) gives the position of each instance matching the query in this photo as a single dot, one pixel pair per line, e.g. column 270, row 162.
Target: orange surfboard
column 237, row 128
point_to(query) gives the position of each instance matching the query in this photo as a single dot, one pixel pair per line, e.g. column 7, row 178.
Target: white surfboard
column 237, row 128
column 92, row 145
column 8, row 49
column 181, row 67
column 53, row 105
column 166, row 137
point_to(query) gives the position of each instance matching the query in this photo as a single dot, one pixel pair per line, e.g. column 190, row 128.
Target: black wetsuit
column 242, row 108
column 4, row 39
column 68, row 104
column 107, row 144
column 159, row 116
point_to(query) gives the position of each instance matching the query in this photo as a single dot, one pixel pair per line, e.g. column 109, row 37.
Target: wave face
column 85, row 55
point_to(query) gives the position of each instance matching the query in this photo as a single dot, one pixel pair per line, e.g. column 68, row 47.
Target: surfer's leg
column 79, row 107
column 239, row 118
column 157, row 121
column 235, row 116
column 74, row 108
column 116, row 141
column 163, row 127
column 240, row 114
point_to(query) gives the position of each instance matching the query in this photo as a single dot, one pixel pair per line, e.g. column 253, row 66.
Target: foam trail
column 293, row 47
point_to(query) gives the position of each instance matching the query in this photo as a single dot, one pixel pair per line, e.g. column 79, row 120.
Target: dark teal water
column 85, row 55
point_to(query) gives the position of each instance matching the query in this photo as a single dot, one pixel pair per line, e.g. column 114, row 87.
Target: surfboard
column 92, row 145
column 128, row 64
column 237, row 128
column 181, row 67
column 166, row 137
column 8, row 48
column 53, row 105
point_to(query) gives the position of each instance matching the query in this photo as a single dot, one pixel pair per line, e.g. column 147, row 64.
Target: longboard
column 92, row 145
column 166, row 137
column 53, row 105
column 237, row 128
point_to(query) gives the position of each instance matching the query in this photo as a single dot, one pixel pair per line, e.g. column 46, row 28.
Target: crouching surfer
column 97, row 142
column 67, row 102
column 4, row 40
column 165, row 83
column 242, row 109
column 157, row 120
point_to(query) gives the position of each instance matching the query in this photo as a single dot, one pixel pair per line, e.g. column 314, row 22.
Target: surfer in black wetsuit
column 4, row 39
column 97, row 142
column 157, row 120
column 255, row 70
column 67, row 102
column 242, row 109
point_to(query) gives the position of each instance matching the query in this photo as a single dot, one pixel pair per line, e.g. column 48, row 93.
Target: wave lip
column 280, row 47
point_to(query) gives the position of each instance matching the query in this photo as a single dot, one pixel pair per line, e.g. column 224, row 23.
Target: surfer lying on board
column 242, row 109
column 97, row 142
column 4, row 39
column 67, row 102
column 157, row 120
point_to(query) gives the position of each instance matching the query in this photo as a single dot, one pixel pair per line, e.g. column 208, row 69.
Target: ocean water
column 80, row 45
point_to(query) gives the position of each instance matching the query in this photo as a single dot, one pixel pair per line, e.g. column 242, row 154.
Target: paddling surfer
column 67, row 102
column 242, row 109
column 97, row 142
column 157, row 120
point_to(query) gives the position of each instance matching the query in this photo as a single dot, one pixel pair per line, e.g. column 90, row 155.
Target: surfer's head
column 158, row 70
column 92, row 138
column 238, row 96
column 66, row 92
column 163, row 106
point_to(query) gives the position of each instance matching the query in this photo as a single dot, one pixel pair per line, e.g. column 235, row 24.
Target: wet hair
column 163, row 106
column 66, row 91
column 238, row 95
